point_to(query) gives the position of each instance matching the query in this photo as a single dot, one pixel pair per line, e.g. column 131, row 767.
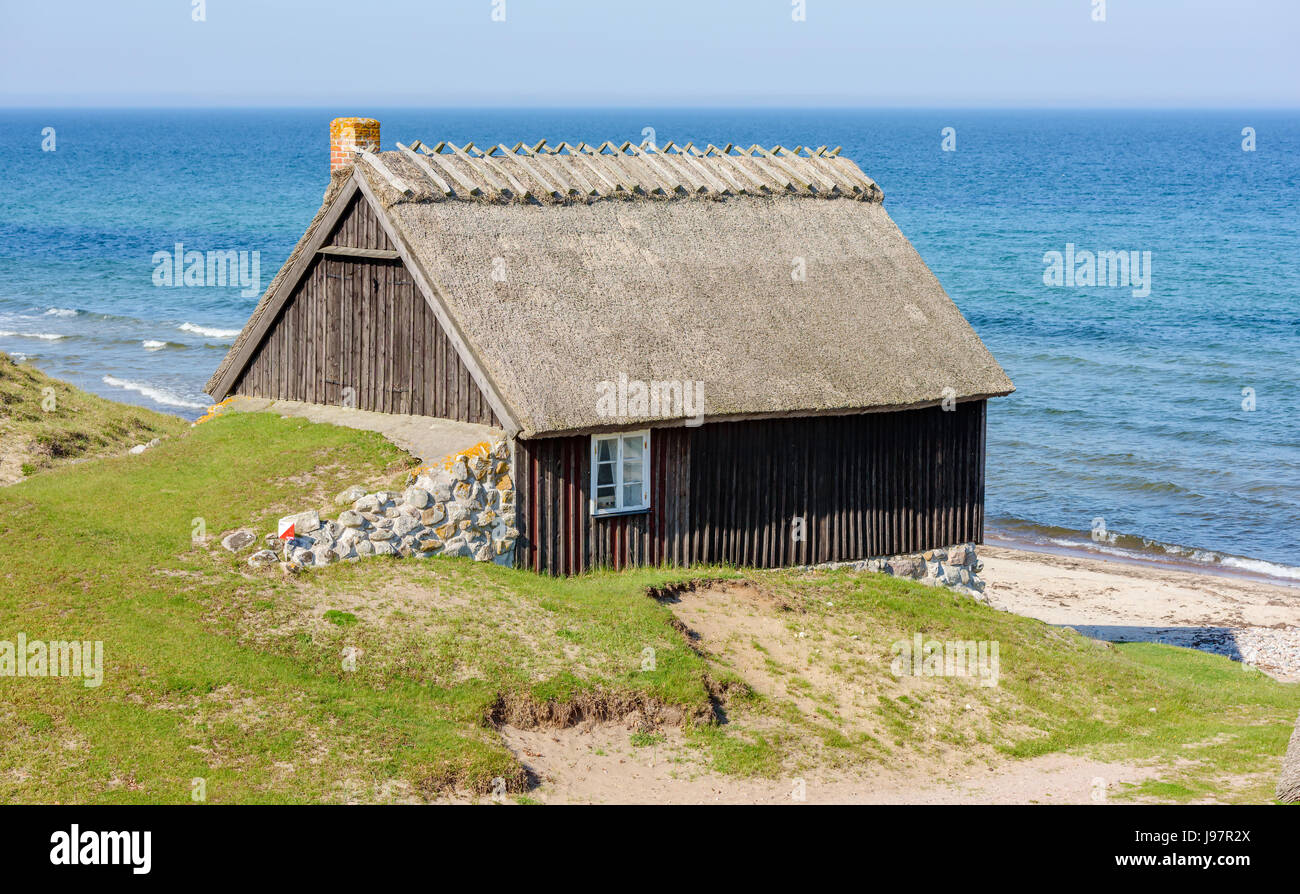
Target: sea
column 1156, row 416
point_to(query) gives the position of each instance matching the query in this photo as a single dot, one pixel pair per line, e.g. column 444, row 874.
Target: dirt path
column 599, row 765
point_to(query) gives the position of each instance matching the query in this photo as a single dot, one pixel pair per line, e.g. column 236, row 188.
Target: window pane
column 606, row 450
column 604, row 473
column 632, row 447
column 631, row 495
column 631, row 471
column 605, row 497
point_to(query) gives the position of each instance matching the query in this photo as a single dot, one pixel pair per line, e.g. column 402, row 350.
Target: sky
column 704, row 53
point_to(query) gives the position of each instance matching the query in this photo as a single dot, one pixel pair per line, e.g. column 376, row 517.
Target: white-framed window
column 620, row 472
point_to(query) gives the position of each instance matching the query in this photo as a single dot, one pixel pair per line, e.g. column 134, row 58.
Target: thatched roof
column 581, row 173
column 566, row 269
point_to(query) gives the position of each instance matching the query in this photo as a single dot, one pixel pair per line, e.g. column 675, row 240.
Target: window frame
column 618, row 508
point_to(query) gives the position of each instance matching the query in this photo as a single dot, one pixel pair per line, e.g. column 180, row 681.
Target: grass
column 195, row 686
column 45, row 422
column 1215, row 727
column 334, row 616
column 242, row 678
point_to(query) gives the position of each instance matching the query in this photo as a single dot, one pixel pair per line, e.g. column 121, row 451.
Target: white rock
column 350, row 495
column 961, row 555
column 368, row 503
column 416, row 497
column 138, row 449
column 262, row 558
column 237, row 541
column 405, row 525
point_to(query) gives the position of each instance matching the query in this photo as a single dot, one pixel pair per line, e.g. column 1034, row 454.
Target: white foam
column 1259, row 566
column 61, row 312
column 207, row 331
column 158, row 395
column 1203, row 557
column 45, row 336
column 153, row 344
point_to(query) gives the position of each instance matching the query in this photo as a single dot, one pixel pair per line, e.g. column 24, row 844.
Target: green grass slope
column 45, row 422
column 382, row 680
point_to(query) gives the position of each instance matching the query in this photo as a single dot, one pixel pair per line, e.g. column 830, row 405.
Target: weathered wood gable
column 356, row 330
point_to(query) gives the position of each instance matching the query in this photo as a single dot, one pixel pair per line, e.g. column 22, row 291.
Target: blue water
column 1128, row 409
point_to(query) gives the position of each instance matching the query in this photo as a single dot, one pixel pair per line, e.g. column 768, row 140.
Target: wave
column 157, row 395
column 1134, row 547
column 44, row 336
column 153, row 344
column 61, row 312
column 207, row 331
column 1259, row 566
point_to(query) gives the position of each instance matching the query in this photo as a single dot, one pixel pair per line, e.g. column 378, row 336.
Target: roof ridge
column 574, row 173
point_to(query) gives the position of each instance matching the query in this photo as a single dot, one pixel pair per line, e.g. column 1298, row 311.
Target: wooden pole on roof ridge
column 425, row 168
column 382, row 169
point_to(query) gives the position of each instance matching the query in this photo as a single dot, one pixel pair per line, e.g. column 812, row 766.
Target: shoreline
column 998, row 536
column 1248, row 620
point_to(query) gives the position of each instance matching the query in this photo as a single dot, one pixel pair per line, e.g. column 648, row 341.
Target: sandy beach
column 1244, row 618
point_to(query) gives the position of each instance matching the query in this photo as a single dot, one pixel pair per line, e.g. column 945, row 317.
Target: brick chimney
column 349, row 136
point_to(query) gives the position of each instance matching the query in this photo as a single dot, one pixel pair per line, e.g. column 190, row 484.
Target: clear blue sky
column 938, row 53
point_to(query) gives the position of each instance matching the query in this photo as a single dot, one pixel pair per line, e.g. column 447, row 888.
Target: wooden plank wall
column 553, row 508
column 866, row 485
column 362, row 324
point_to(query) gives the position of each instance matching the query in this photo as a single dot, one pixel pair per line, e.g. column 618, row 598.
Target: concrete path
column 425, row 437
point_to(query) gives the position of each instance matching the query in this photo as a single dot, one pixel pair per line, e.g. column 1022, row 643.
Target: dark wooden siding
column 362, row 323
column 359, row 227
column 866, row 485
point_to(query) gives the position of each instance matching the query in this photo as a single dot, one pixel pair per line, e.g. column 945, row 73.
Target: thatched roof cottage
column 699, row 355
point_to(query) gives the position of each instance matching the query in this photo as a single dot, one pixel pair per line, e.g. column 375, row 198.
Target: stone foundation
column 956, row 567
column 466, row 507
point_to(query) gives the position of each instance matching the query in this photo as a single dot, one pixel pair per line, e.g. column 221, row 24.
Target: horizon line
column 660, row 107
